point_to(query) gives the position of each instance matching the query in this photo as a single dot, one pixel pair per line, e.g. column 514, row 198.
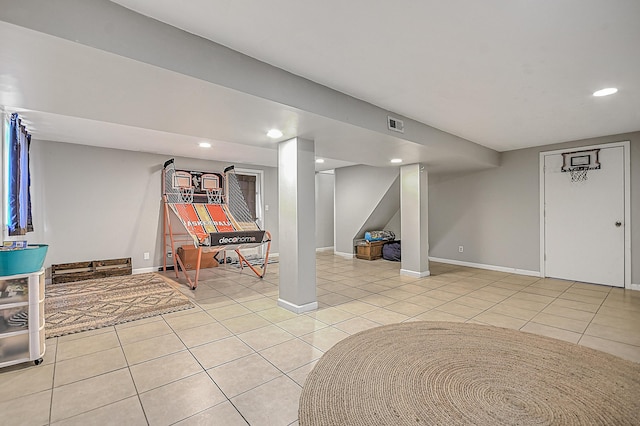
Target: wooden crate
column 189, row 256
column 80, row 271
column 369, row 250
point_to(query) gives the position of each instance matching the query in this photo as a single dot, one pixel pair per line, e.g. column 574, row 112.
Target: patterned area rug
column 439, row 373
column 86, row 305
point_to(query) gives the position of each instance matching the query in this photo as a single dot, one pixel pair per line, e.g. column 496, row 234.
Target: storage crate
column 90, row 270
column 369, row 250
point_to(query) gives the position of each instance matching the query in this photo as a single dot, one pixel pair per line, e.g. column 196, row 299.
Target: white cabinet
column 22, row 318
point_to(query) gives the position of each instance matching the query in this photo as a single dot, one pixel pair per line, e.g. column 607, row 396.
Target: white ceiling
column 503, row 74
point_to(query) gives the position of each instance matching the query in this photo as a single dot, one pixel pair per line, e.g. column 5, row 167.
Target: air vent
column 395, row 124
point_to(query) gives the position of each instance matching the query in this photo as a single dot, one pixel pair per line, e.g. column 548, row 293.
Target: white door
column 584, row 221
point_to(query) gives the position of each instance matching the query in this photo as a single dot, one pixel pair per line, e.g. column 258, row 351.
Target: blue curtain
column 19, row 196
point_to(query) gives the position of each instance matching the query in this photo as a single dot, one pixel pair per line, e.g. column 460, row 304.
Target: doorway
column 248, row 187
column 251, row 184
column 585, row 219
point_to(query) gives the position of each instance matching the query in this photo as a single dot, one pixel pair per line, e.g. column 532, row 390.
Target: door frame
column 627, row 203
column 259, row 174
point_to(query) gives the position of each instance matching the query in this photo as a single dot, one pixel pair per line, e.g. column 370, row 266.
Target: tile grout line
column 283, row 374
column 53, row 378
column 135, row 387
column 98, row 375
column 594, row 316
column 204, row 370
column 540, row 311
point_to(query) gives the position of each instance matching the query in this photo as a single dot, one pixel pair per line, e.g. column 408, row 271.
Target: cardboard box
column 13, row 245
column 189, row 256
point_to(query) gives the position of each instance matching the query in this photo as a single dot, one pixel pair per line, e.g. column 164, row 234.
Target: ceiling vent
column 395, row 124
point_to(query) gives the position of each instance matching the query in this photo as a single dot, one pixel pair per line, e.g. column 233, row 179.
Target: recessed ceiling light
column 605, row 92
column 396, row 160
column 204, row 145
column 319, row 160
column 274, row 133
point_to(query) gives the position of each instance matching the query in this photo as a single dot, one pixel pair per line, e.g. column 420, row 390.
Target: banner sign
column 234, row 238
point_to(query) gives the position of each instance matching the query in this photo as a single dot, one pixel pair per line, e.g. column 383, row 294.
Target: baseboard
column 488, row 267
column 414, row 274
column 324, row 248
column 345, row 255
column 146, row 270
column 298, row 309
column 635, row 287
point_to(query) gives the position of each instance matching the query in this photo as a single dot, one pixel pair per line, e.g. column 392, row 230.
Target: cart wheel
column 38, row 361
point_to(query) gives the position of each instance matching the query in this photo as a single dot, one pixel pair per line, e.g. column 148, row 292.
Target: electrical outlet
column 460, row 249
column 169, row 254
column 146, row 255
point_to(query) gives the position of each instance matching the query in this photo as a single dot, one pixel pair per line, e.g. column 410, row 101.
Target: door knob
column 618, row 224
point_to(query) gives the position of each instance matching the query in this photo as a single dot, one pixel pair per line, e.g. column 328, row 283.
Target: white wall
column 494, row 213
column 359, row 191
column 94, row 203
column 324, row 209
column 490, row 214
column 394, row 225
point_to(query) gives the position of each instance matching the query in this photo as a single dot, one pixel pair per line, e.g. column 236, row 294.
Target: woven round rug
column 439, row 373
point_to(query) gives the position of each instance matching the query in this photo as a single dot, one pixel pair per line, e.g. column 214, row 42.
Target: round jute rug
column 439, row 373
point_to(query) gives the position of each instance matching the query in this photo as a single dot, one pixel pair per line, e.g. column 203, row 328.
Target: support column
column 297, row 225
column 414, row 216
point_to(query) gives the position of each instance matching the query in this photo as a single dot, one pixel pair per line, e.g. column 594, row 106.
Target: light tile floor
column 237, row 358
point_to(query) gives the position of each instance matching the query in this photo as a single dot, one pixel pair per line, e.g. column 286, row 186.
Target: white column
column 297, row 225
column 414, row 216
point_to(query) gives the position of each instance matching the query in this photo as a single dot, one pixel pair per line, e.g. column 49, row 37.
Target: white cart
column 22, row 318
